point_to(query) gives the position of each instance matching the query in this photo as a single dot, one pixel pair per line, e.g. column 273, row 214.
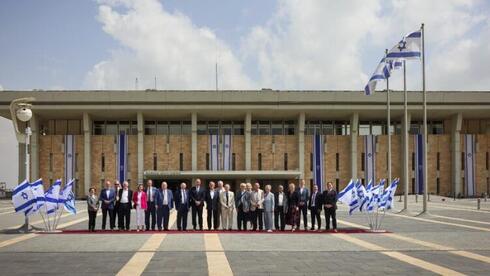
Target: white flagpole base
column 377, row 231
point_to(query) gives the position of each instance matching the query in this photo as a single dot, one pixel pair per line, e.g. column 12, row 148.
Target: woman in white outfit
column 140, row 204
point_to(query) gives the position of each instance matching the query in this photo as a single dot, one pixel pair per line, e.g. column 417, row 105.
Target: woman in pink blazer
column 140, row 204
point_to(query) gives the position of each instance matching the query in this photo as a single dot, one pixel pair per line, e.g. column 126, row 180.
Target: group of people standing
column 256, row 209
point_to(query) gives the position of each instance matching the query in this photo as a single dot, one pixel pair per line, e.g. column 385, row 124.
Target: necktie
column 227, row 198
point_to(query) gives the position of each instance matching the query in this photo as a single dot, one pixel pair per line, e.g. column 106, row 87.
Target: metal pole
column 405, row 138
column 27, row 163
column 426, row 186
column 388, row 123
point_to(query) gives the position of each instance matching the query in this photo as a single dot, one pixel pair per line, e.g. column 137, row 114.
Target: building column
column 22, row 161
column 456, row 123
column 141, row 145
column 194, row 141
column 405, row 153
column 87, row 152
column 301, row 144
column 34, row 144
column 354, row 133
column 248, row 141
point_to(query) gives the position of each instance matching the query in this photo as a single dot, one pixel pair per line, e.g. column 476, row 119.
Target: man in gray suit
column 268, row 208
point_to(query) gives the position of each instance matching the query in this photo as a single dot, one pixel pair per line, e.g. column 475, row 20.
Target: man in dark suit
column 108, row 198
column 280, row 209
column 182, row 206
column 304, row 195
column 197, row 197
column 330, row 204
column 212, row 205
column 125, row 204
column 241, row 220
column 150, row 211
column 164, row 202
column 315, row 206
column 117, row 187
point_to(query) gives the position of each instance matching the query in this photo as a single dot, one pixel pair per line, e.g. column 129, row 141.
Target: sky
column 278, row 44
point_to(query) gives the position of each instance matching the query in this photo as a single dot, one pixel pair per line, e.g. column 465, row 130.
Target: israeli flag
column 357, row 197
column 386, row 201
column 52, row 197
column 367, row 197
column 410, row 47
column 345, row 196
column 376, row 193
column 23, row 199
column 38, row 191
column 382, row 72
column 67, row 197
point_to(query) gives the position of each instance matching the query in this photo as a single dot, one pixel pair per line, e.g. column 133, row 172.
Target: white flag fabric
column 387, row 201
column 52, row 197
column 23, row 199
column 345, row 196
column 67, row 198
column 38, row 191
column 410, row 47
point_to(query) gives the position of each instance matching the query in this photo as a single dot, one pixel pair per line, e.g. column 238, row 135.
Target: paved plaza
column 453, row 240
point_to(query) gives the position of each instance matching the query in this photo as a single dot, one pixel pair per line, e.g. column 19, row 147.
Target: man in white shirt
column 227, row 202
column 212, row 205
column 150, row 210
column 164, row 202
column 125, row 203
column 280, row 209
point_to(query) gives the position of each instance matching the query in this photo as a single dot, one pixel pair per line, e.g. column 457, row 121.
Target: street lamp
column 20, row 109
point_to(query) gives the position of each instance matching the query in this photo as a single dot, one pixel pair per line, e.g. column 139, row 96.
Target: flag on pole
column 419, row 163
column 67, row 197
column 23, row 199
column 410, row 47
column 214, row 152
column 370, row 158
column 52, row 197
column 70, row 156
column 38, row 191
column 318, row 149
column 376, row 193
column 122, row 157
column 367, row 198
column 386, row 201
column 381, row 73
column 227, row 152
column 345, row 196
column 357, row 197
column 469, row 162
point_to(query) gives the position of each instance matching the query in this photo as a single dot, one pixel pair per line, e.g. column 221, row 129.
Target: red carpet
column 299, row 232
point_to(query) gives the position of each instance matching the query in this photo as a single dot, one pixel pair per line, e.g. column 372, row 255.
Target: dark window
column 175, row 128
column 438, row 164
column 226, row 128
column 264, row 128
column 162, row 128
column 413, row 185
column 186, row 128
column 413, row 161
column 438, row 183
column 213, row 127
column 327, row 128
column 50, row 162
column 202, row 128
column 238, row 128
column 285, row 161
column 134, row 127
column 150, row 128
column 76, row 162
column 207, row 161
column 260, row 161
column 254, row 128
column 233, row 161
column 277, row 128
column 387, row 161
column 181, row 161
column 363, row 162
column 337, row 183
column 337, row 161
column 124, row 127
column 111, row 128
column 311, row 161
column 102, row 163
column 99, row 128
column 289, row 127
column 462, row 161
column 487, row 161
column 155, row 161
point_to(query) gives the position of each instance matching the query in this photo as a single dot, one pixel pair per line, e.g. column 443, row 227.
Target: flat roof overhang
column 222, row 174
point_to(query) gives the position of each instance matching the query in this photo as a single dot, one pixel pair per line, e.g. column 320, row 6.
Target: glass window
column 277, row 128
column 124, row 127
column 202, row 128
column 150, row 128
column 134, row 128
column 162, row 128
column 327, row 128
column 312, row 127
column 364, row 128
column 74, row 127
column 264, row 128
column 61, row 127
column 213, row 127
column 255, row 128
column 437, row 128
column 175, row 128
column 226, row 128
column 111, row 128
column 186, row 128
column 99, row 128
column 289, row 127
column 415, row 128
column 238, row 128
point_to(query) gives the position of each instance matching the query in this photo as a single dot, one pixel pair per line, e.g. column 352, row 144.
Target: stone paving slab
column 473, row 240
column 63, row 263
column 186, row 242
column 451, row 261
column 307, row 263
column 177, row 263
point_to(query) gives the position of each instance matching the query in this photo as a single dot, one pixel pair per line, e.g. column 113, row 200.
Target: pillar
column 141, row 145
column 194, row 141
column 354, row 133
column 301, row 144
column 248, row 141
column 405, row 181
column 456, row 123
column 87, row 164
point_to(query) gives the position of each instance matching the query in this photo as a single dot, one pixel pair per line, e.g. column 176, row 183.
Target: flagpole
column 426, row 186
column 388, row 119
column 405, row 138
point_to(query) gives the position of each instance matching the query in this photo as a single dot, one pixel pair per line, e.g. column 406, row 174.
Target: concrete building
column 168, row 135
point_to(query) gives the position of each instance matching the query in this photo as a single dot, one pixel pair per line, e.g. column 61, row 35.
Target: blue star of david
column 24, row 195
column 402, row 45
column 469, row 155
column 370, row 154
column 70, row 197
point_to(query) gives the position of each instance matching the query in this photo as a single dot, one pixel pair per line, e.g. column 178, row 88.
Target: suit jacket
column 269, row 202
column 130, row 197
column 303, row 196
column 330, row 198
column 111, row 198
column 284, row 202
column 154, row 192
column 245, row 201
column 238, row 199
column 212, row 203
column 197, row 196
column 144, row 200
column 159, row 198
column 257, row 197
column 231, row 200
column 92, row 203
column 182, row 204
column 318, row 201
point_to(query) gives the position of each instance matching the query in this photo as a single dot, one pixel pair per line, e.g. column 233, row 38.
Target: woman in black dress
column 292, row 215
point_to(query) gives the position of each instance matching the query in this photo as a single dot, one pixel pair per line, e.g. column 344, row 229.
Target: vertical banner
column 318, row 150
column 122, row 157
column 370, row 158
column 469, row 166
column 419, row 163
column 227, row 152
column 69, row 157
column 214, row 152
